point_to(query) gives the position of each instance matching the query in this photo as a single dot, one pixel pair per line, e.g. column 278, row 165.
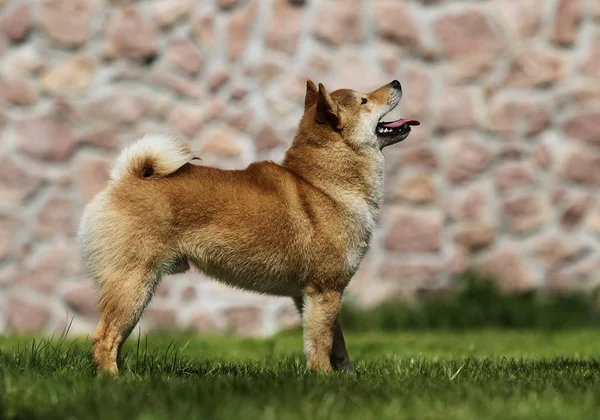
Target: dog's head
column 357, row 117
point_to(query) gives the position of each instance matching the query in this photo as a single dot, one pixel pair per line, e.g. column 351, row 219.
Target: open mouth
column 395, row 128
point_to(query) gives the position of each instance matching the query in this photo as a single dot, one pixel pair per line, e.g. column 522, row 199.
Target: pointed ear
column 327, row 109
column 311, row 94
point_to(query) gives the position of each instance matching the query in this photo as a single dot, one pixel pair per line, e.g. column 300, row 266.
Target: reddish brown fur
column 298, row 229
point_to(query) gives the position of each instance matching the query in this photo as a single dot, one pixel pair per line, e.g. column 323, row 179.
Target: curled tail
column 152, row 156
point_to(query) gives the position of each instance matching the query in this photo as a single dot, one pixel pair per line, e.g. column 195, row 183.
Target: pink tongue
column 398, row 123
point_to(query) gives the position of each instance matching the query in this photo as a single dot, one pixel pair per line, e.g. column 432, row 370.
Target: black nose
column 396, row 85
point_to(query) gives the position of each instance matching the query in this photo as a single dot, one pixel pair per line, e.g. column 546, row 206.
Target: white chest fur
column 363, row 213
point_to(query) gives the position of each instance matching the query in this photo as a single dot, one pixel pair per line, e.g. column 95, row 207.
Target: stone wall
column 500, row 176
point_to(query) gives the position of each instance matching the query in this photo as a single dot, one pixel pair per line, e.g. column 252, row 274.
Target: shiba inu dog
column 297, row 229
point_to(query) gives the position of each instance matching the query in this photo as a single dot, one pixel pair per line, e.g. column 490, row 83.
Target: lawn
column 420, row 375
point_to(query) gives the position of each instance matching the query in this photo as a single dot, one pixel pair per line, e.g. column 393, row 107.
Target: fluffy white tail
column 152, row 156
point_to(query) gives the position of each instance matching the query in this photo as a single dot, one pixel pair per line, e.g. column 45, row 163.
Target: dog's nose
column 396, row 85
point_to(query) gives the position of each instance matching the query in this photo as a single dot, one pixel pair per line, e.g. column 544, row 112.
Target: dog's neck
column 337, row 168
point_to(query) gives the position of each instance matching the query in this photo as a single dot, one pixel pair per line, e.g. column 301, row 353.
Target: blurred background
column 499, row 179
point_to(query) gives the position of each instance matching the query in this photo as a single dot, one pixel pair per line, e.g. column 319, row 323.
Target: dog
column 298, row 229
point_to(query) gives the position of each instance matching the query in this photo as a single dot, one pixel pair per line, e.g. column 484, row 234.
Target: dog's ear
column 327, row 109
column 311, row 94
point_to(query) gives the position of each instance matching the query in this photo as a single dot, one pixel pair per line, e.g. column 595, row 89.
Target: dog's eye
column 363, row 101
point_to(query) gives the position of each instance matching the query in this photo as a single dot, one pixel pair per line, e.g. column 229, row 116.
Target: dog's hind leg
column 123, row 298
column 324, row 342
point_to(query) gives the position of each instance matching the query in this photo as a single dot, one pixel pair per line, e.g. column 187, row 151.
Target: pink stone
column 82, row 299
column 285, row 27
column 580, row 275
column 55, row 216
column 539, row 121
column 581, row 167
column 268, row 138
column 357, row 73
column 129, row 35
column 584, row 126
column 416, row 93
column 414, row 231
column 168, row 12
column 239, row 93
column 512, row 175
column 21, row 92
column 71, row 77
column 507, row 113
column 17, row 23
column 554, row 250
column 185, row 55
column 466, row 159
column 218, row 79
column 420, row 156
column 203, row 30
column 591, row 66
column 457, row 262
column 16, row 183
column 395, row 23
column 468, row 68
column 455, row 109
column 120, row 108
column 473, row 204
column 267, row 72
column 240, row 28
column 46, row 138
column 506, row 267
column 575, row 212
column 521, row 19
column 187, row 119
column 542, row 156
column 101, row 135
column 241, row 121
column 533, row 68
column 418, row 189
column 466, row 33
column 46, row 269
column 476, row 235
column 67, row 21
column 178, row 84
column 26, row 317
column 566, row 22
column 228, row 4
column 222, row 143
column 512, row 150
column 9, row 226
column 338, row 22
column 525, row 214
column 92, row 174
column 10, row 274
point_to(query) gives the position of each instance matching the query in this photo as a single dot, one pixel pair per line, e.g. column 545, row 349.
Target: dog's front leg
column 324, row 343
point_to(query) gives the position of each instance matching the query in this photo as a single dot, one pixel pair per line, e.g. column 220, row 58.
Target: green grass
column 419, row 375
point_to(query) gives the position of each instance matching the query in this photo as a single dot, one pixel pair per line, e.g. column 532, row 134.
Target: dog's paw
column 342, row 365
